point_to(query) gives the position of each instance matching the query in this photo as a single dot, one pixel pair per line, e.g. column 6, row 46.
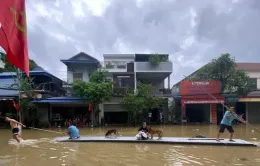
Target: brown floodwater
column 38, row 149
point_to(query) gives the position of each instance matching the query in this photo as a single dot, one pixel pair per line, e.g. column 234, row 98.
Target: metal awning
column 60, row 100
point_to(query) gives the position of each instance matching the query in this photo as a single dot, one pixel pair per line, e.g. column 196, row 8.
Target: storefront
column 201, row 109
column 197, row 105
column 252, row 106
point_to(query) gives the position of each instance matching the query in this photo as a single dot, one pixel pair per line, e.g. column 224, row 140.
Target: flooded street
column 39, row 149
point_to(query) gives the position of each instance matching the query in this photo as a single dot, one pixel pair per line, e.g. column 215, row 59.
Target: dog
column 200, row 136
column 152, row 132
column 110, row 132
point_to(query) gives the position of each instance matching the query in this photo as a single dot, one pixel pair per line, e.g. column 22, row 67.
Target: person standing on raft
column 15, row 128
column 226, row 122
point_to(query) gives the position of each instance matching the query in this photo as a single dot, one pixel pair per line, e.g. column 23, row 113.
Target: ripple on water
column 174, row 157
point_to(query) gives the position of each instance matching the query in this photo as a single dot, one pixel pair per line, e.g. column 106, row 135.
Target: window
column 121, row 66
column 253, row 84
column 77, row 76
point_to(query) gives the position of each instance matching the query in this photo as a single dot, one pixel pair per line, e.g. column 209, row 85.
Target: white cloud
column 192, row 32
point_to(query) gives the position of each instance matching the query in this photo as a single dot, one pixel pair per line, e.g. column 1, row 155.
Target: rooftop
column 81, row 58
column 248, row 66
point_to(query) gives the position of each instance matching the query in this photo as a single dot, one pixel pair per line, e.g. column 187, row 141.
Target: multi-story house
column 126, row 70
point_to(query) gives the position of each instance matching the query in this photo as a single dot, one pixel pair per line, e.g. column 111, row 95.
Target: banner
column 200, row 87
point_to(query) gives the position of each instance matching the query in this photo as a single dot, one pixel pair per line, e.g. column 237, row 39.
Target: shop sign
column 200, row 87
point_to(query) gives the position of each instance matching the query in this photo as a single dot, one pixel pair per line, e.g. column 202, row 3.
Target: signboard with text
column 199, row 87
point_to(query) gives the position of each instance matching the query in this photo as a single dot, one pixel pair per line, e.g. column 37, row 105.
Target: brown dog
column 110, row 132
column 152, row 132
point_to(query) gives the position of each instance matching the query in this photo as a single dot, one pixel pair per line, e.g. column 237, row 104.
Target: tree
column 10, row 68
column 139, row 104
column 26, row 86
column 224, row 69
column 96, row 91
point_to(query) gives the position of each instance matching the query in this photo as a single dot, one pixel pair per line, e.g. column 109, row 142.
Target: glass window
column 77, row 76
column 253, row 83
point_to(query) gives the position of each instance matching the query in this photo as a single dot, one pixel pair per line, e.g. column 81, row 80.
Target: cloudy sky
column 192, row 32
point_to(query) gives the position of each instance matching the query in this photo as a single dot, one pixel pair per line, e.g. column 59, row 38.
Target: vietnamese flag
column 16, row 106
column 13, row 33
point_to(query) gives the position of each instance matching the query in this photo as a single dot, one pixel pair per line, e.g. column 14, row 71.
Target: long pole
column 47, row 130
column 224, row 105
column 19, row 94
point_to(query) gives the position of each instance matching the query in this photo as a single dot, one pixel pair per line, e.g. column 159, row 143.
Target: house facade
column 126, row 70
column 45, row 85
column 79, row 67
column 251, row 103
column 58, row 109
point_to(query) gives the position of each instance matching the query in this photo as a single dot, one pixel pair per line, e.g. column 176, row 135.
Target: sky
column 192, row 32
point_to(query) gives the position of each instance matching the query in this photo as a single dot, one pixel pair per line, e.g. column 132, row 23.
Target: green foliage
column 96, row 91
column 109, row 65
column 10, row 68
column 98, row 76
column 224, row 69
column 156, row 59
column 139, row 104
column 26, row 85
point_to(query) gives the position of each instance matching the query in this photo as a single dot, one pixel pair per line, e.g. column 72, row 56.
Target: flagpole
column 19, row 94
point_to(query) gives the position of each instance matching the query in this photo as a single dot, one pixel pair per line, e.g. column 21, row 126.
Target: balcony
column 119, row 66
column 121, row 92
column 162, row 92
column 164, row 67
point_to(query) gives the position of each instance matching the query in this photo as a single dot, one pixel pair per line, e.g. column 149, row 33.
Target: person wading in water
column 15, row 129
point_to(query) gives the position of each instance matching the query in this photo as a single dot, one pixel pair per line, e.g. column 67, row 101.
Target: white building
column 125, row 70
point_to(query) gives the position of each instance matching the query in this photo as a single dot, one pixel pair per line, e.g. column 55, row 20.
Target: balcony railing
column 118, row 66
column 148, row 67
column 121, row 92
column 162, row 92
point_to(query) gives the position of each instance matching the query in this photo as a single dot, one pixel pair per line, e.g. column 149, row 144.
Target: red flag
column 89, row 107
column 13, row 33
column 16, row 106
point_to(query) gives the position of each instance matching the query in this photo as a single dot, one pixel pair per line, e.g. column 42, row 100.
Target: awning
column 248, row 99
column 202, row 101
column 60, row 100
column 9, row 93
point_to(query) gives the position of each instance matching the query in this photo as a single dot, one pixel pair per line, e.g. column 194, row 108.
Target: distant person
column 161, row 117
column 15, row 128
column 73, row 131
column 150, row 116
column 142, row 132
column 226, row 122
